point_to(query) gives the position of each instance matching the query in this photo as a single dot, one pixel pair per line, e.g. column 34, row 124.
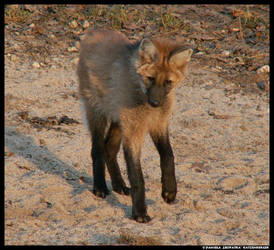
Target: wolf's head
column 162, row 65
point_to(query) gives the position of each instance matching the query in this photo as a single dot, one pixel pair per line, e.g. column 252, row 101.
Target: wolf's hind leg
column 97, row 125
column 112, row 146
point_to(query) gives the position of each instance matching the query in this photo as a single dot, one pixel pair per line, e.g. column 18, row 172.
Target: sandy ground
column 220, row 139
column 221, row 145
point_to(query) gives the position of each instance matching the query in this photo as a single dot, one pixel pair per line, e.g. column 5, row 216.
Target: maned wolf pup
column 128, row 90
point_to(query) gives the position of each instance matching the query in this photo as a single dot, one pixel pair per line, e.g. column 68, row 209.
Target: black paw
column 168, row 197
column 100, row 192
column 141, row 218
column 121, row 189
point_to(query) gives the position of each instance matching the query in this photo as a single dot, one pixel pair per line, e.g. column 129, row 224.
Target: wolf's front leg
column 169, row 186
column 132, row 157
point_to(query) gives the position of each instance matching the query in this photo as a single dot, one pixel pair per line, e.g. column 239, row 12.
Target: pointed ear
column 181, row 58
column 147, row 51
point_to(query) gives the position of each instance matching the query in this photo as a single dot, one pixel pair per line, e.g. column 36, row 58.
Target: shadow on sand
column 46, row 161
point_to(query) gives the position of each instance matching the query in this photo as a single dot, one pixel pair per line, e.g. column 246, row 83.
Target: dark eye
column 151, row 78
column 168, row 82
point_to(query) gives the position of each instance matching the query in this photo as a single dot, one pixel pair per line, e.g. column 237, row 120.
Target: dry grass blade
column 127, row 238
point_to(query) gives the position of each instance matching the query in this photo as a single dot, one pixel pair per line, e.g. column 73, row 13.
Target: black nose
column 154, row 103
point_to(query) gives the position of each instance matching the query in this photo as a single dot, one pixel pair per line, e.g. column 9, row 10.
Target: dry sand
column 220, row 140
column 221, row 147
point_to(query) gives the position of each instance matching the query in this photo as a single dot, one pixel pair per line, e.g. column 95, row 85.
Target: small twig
column 240, row 27
column 217, row 58
column 258, row 56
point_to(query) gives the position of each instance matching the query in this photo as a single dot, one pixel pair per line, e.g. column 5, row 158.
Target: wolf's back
column 102, row 65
